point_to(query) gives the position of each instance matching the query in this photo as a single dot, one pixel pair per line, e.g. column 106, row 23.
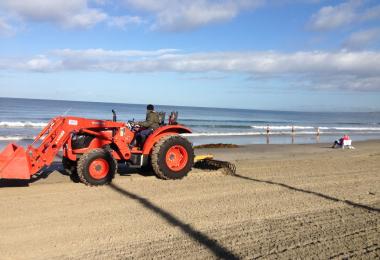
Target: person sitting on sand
column 340, row 141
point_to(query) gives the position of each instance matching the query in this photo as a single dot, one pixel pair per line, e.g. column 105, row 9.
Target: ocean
column 22, row 119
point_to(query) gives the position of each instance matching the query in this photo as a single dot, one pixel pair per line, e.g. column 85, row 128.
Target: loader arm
column 52, row 138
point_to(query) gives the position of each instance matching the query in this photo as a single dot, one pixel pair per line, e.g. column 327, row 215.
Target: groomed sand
column 287, row 201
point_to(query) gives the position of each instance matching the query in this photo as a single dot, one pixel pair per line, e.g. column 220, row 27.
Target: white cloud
column 169, row 14
column 123, row 21
column 372, row 13
column 5, row 28
column 364, row 38
column 332, row 17
column 67, row 13
column 100, row 2
column 344, row 82
column 350, row 70
column 109, row 54
column 86, row 19
column 181, row 15
column 41, row 64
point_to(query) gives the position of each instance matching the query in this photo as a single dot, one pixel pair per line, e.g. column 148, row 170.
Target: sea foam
column 22, row 124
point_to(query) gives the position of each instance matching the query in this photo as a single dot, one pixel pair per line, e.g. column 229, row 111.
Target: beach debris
column 207, row 162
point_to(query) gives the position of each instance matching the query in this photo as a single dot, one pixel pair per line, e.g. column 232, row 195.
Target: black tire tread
column 81, row 165
column 156, row 152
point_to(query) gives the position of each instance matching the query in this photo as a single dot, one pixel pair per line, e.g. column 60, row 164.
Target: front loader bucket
column 14, row 163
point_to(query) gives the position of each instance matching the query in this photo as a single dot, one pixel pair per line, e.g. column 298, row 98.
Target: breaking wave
column 246, row 134
column 284, row 127
column 351, row 128
column 338, row 128
column 22, row 124
column 220, row 126
column 16, row 138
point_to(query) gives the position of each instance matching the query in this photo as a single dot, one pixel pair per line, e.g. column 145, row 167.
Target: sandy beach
column 286, row 201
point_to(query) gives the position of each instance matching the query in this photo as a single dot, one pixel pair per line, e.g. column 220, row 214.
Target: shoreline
column 234, row 146
column 279, row 139
column 287, row 151
column 377, row 141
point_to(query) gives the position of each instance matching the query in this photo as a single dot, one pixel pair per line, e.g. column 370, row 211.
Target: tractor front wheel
column 96, row 167
column 172, row 157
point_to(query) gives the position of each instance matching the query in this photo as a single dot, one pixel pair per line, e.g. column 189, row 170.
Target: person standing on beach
column 318, row 134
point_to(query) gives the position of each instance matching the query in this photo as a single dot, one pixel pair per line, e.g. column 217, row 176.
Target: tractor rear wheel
column 172, row 157
column 96, row 167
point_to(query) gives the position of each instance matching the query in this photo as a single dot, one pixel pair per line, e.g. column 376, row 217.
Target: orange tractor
column 93, row 148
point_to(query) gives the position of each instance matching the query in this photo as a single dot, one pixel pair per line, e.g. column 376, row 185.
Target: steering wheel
column 133, row 126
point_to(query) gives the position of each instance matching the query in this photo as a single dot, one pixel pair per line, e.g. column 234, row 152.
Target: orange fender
column 161, row 132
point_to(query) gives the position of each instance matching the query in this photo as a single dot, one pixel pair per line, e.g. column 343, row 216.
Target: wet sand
column 286, row 201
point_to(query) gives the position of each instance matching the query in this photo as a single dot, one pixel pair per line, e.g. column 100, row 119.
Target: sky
column 301, row 55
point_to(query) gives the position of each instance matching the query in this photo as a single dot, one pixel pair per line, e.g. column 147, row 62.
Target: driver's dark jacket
column 152, row 120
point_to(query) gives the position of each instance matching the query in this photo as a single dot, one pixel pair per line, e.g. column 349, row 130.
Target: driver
column 151, row 123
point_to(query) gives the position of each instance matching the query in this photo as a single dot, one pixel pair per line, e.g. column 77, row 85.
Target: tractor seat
column 161, row 117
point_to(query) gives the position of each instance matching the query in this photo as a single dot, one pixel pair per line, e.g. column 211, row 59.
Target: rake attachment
column 207, row 162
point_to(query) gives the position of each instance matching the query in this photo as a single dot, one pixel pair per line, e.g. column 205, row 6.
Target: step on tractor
column 92, row 149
